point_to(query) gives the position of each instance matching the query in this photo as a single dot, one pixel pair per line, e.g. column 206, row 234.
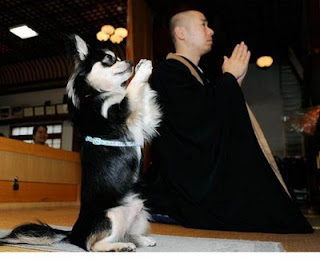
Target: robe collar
column 187, row 63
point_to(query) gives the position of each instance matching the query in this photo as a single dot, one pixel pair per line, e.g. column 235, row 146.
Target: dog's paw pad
column 113, row 247
column 124, row 247
column 140, row 63
column 143, row 70
column 127, row 249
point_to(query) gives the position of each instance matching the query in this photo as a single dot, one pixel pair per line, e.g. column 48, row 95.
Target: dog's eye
column 109, row 60
column 109, row 57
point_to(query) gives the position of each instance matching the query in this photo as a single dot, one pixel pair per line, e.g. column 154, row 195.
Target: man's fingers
column 240, row 50
column 243, row 51
column 235, row 51
column 247, row 57
column 237, row 64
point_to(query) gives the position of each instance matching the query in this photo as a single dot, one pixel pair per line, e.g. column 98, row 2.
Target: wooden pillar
column 139, row 24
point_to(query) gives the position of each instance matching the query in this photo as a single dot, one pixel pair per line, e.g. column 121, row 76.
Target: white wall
column 33, row 98
column 39, row 98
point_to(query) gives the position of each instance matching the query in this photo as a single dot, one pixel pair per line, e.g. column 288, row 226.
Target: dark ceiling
column 54, row 20
column 267, row 26
column 264, row 25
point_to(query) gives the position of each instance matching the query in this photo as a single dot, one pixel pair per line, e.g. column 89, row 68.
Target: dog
column 115, row 114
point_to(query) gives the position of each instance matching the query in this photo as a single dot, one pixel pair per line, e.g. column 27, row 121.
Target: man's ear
column 179, row 32
column 81, row 46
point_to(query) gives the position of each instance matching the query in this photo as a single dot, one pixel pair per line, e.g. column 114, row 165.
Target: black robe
column 208, row 170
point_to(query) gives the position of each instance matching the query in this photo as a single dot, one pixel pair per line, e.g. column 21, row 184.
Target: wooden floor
column 66, row 216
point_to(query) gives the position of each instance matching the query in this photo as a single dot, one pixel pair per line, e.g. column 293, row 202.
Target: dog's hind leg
column 139, row 229
column 115, row 241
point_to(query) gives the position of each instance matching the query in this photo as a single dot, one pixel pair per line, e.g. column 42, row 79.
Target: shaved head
column 179, row 19
column 191, row 33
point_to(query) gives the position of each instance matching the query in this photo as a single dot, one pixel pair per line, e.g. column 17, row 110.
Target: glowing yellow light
column 115, row 35
column 101, row 36
column 108, row 29
column 264, row 61
column 122, row 32
column 116, row 39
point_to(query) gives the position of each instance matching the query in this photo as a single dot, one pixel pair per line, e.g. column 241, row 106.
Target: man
column 212, row 168
column 40, row 135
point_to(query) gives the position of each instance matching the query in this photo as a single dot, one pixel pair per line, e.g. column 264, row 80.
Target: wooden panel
column 36, row 163
column 46, row 175
column 38, row 192
column 28, row 205
column 38, row 169
column 11, row 145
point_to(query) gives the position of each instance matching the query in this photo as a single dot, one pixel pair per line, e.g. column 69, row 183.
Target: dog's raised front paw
column 143, row 70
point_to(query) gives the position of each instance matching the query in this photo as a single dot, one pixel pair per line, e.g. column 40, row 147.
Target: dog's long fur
column 112, row 215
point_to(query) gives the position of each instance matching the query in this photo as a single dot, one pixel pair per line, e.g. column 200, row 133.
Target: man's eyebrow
column 204, row 21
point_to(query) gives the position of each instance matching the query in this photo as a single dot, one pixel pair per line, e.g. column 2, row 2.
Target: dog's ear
column 81, row 46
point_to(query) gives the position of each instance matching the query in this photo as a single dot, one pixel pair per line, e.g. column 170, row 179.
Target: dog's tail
column 35, row 234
